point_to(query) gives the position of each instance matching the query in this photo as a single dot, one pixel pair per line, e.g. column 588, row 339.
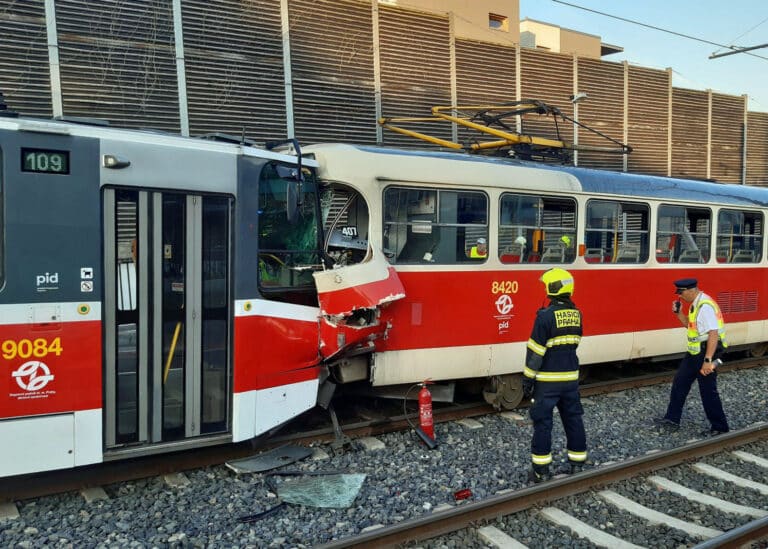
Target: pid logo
column 33, row 375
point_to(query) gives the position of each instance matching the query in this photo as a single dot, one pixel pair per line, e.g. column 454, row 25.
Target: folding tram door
column 167, row 317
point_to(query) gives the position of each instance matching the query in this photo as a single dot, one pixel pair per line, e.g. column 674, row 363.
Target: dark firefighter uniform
column 552, row 368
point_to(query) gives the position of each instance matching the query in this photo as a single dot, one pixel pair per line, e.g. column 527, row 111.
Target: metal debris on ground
column 285, row 455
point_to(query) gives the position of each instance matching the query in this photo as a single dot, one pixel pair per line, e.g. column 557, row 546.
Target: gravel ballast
column 406, row 480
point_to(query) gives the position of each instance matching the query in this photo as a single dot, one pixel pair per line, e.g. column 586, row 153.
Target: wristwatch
column 707, row 359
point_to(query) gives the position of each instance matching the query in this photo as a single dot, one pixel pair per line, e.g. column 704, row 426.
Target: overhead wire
column 654, row 27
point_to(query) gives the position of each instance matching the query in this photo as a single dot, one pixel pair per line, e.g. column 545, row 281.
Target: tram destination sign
column 45, row 161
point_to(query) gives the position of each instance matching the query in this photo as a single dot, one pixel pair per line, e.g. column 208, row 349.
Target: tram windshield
column 289, row 246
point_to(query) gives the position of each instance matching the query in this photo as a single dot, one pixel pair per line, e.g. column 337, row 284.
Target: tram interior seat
column 513, row 254
column 419, row 247
column 664, row 256
column 553, row 254
column 723, row 254
column 628, row 255
column 594, row 255
column 690, row 256
column 743, row 256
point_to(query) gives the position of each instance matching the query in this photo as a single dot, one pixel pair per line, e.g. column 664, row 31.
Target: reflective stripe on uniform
column 577, row 456
column 557, row 376
column 528, row 372
column 541, row 460
column 564, row 340
column 694, row 337
column 536, row 348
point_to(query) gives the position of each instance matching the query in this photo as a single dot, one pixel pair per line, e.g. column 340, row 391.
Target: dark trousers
column 710, row 398
column 564, row 395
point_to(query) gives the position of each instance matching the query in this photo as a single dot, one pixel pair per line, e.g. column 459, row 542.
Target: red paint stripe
column 447, row 309
column 270, row 352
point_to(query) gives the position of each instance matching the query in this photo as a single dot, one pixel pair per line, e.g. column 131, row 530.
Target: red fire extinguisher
column 426, row 423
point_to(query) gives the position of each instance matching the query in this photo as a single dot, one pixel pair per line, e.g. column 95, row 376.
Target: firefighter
column 551, row 375
column 706, row 342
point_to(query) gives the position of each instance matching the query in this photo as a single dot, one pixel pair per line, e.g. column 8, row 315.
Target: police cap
column 685, row 284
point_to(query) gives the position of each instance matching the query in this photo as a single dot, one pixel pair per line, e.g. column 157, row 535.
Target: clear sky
column 740, row 23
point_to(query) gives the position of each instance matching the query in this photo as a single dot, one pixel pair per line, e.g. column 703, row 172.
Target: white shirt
column 706, row 319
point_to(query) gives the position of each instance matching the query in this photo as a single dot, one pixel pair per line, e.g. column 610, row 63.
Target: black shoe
column 664, row 422
column 539, row 474
column 712, row 432
column 576, row 468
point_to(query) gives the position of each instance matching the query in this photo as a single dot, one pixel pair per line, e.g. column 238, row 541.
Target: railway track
column 53, row 482
column 479, row 517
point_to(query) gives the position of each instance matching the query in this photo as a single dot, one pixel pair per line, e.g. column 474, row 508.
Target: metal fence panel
column 603, row 110
column 415, row 69
column 332, row 66
column 757, row 149
column 24, row 70
column 689, row 133
column 648, row 120
column 118, row 62
column 727, row 137
column 233, row 53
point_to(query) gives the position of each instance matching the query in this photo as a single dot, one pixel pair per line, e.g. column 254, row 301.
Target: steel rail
column 467, row 515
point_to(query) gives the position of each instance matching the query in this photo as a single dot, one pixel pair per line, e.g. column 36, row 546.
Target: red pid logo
column 33, row 375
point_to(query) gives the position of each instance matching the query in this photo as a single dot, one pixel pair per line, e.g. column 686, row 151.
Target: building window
column 498, row 22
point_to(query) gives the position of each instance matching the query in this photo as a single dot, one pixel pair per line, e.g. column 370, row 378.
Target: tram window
column 619, row 230
column 739, row 236
column 536, row 229
column 435, row 226
column 683, row 234
column 289, row 250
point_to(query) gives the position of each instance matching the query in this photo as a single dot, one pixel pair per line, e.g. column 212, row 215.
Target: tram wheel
column 504, row 392
column 758, row 350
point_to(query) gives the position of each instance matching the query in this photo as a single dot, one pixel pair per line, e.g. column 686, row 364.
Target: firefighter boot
column 539, row 473
column 575, row 467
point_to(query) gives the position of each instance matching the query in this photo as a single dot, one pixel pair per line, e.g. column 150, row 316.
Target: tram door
column 167, row 328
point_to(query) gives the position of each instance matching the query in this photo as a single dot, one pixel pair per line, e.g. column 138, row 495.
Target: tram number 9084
column 26, row 348
column 45, row 161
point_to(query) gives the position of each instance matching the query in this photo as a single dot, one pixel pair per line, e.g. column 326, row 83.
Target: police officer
column 551, row 375
column 706, row 342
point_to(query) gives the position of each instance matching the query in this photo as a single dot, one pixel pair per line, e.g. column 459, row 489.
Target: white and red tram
column 625, row 237
column 156, row 292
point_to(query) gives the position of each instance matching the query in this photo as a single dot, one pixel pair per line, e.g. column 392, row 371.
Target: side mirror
column 292, row 192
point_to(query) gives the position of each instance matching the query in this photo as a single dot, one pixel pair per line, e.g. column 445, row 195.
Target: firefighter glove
column 528, row 386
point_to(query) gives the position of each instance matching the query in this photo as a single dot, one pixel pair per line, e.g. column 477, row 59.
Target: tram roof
column 610, row 182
